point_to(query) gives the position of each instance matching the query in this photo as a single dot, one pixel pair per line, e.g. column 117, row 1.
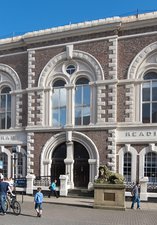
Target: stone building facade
column 79, row 96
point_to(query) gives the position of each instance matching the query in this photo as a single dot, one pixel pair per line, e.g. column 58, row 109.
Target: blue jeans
column 135, row 199
column 3, row 202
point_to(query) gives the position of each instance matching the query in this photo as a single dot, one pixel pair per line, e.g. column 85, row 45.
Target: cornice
column 84, row 28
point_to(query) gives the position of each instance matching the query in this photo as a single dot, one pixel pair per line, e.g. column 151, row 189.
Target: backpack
column 133, row 191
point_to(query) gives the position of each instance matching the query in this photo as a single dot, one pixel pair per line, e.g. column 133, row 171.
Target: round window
column 70, row 69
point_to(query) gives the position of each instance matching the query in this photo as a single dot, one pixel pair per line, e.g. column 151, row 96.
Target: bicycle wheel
column 6, row 205
column 16, row 207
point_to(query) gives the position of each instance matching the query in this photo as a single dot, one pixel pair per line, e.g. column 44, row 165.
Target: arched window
column 82, row 102
column 5, row 108
column 59, row 104
column 21, row 165
column 150, row 166
column 127, row 167
column 149, row 98
column 4, row 159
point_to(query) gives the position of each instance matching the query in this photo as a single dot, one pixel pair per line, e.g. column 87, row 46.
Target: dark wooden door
column 81, row 166
column 81, row 173
column 58, row 166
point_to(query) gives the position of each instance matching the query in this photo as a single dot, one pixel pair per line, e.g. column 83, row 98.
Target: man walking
column 135, row 196
column 4, row 188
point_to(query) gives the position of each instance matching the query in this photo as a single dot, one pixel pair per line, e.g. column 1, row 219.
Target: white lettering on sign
column 141, row 134
column 7, row 137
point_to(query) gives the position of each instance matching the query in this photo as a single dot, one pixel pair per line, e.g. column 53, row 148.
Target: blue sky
column 20, row 16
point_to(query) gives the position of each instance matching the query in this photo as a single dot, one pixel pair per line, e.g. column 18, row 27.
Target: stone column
column 143, row 192
column 92, row 172
column 69, row 161
column 63, row 185
column 70, row 105
column 30, row 178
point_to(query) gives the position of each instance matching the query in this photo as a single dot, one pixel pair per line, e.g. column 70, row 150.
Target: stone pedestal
column 109, row 196
column 30, row 178
column 143, row 191
column 63, row 185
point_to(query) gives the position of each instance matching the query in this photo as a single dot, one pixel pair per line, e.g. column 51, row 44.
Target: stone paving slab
column 83, row 202
column 63, row 212
column 78, row 211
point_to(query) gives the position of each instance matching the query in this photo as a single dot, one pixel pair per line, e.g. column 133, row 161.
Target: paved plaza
column 79, row 211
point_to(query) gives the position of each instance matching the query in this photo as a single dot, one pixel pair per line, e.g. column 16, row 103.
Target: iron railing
column 42, row 181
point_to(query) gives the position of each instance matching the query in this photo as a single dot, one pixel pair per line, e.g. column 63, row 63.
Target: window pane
column 78, row 98
column 62, row 97
column 86, row 115
column 5, row 108
column 154, row 91
column 8, row 120
column 127, row 167
column 86, row 93
column 146, row 92
column 150, row 169
column 146, row 113
column 59, row 83
column 2, row 121
column 8, row 102
column 55, row 116
column 70, row 69
column 82, row 81
column 20, row 165
column 4, row 158
column 55, row 99
column 154, row 113
column 82, row 103
column 59, row 107
column 63, row 116
column 6, row 90
column 2, row 103
column 150, row 76
column 78, row 116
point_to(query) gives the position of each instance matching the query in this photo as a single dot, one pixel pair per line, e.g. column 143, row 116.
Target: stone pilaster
column 112, row 100
column 19, row 110
column 112, row 150
column 40, row 107
column 129, row 103
column 101, row 104
column 31, row 83
column 113, row 58
column 30, row 153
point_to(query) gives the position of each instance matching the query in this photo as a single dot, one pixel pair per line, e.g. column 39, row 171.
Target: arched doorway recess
column 81, row 166
column 58, row 166
column 89, row 161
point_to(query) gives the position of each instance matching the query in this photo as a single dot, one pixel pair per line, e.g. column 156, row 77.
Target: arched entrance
column 81, row 166
column 58, row 166
column 77, row 157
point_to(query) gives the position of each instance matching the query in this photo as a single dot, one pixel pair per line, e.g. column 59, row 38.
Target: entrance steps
column 80, row 192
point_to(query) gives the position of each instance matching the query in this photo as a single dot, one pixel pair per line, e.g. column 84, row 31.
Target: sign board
column 136, row 135
column 1, row 164
column 20, row 182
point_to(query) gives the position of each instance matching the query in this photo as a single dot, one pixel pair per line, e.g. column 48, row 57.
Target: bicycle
column 12, row 203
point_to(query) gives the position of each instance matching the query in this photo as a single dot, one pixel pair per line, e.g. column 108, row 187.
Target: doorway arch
column 81, row 165
column 58, row 166
column 91, row 155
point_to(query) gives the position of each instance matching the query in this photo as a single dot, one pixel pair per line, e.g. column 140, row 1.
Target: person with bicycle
column 4, row 188
column 38, row 200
